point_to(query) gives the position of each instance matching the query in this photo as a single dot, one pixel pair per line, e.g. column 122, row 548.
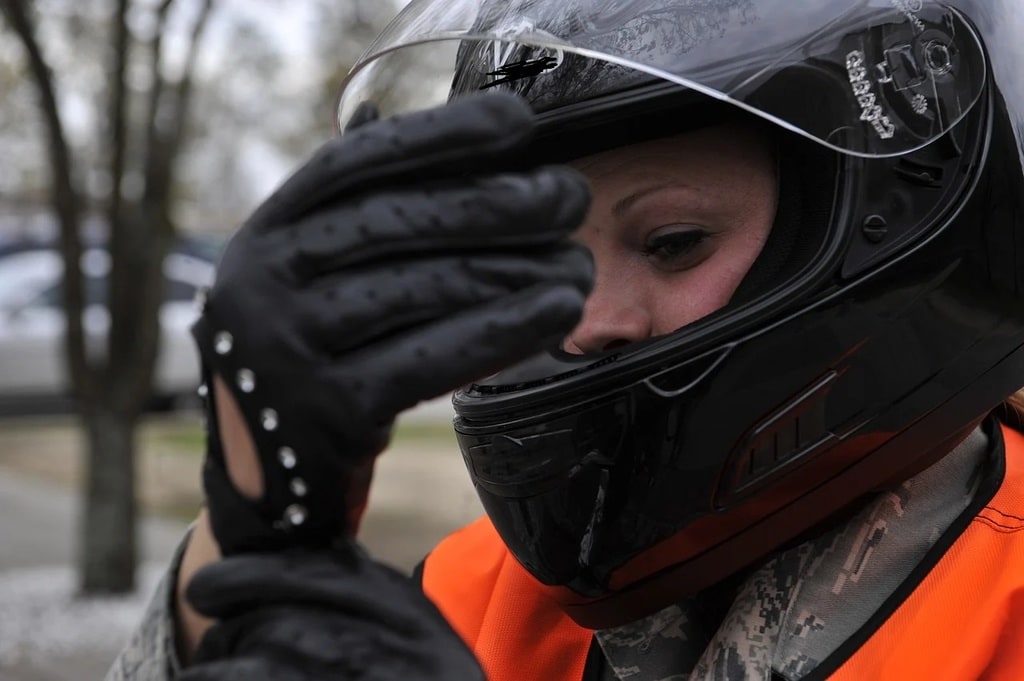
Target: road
column 46, row 634
column 37, row 526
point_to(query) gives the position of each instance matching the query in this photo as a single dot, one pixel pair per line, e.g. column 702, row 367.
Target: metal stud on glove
column 403, row 260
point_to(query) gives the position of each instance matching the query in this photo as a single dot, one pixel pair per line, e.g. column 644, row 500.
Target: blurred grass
column 176, row 443
column 433, row 432
column 185, row 437
column 182, row 438
column 171, row 449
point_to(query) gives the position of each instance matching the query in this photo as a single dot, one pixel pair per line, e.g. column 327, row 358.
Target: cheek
column 690, row 295
column 687, row 300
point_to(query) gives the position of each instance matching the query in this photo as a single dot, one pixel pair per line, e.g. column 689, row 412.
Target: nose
column 612, row 316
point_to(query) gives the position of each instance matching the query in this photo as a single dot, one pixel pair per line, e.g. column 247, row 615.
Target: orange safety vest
column 964, row 620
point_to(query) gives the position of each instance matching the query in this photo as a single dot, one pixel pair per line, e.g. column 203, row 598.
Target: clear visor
column 872, row 78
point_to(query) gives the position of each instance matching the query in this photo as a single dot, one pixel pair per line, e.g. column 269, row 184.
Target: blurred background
column 135, row 136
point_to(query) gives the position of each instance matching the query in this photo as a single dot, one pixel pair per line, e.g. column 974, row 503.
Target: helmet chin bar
column 659, row 578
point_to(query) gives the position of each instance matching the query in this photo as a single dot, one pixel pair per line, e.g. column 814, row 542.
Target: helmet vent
column 784, row 440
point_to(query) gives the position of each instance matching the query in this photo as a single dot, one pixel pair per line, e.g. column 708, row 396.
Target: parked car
column 32, row 366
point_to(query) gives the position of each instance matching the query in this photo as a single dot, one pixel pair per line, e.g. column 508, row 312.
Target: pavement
column 47, row 633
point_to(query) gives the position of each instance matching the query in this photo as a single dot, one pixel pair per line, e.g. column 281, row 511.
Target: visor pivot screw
column 875, row 228
column 938, row 58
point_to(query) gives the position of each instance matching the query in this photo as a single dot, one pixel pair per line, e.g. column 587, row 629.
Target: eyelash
column 683, row 242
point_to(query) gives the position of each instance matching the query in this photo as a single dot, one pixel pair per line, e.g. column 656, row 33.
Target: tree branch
column 65, row 200
column 167, row 140
column 121, row 288
column 135, row 334
column 156, row 92
column 118, row 132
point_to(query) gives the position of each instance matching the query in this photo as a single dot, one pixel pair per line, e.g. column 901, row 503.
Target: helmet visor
column 891, row 75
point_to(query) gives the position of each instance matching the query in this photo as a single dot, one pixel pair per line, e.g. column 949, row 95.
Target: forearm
column 171, row 629
column 151, row 652
column 200, row 551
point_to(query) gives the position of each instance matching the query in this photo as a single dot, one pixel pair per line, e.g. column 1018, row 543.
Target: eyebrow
column 627, row 202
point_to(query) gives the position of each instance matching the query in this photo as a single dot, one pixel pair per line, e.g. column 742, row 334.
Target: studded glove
column 405, row 259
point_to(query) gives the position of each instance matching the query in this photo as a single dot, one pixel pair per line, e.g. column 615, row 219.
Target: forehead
column 717, row 153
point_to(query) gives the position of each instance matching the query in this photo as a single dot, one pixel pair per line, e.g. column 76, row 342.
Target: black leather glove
column 402, row 261
column 332, row 615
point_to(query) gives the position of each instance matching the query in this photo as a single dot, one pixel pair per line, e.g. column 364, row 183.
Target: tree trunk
column 110, row 393
column 108, row 534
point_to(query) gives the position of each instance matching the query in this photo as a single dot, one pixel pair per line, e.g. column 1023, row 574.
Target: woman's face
column 674, row 226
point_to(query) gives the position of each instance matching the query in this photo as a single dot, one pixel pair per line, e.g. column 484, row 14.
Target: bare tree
column 111, row 390
column 175, row 147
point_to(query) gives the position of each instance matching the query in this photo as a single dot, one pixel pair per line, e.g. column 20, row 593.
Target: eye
column 676, row 247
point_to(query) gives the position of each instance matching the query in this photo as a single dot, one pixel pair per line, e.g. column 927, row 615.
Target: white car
column 32, row 367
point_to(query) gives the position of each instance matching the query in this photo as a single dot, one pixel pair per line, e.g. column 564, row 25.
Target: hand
column 302, row 615
column 401, row 262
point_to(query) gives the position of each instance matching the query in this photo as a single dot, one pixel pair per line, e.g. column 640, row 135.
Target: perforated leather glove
column 402, row 261
column 304, row 615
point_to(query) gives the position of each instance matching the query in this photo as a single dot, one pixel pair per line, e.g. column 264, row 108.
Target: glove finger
column 316, row 636
column 253, row 668
column 239, row 583
column 437, row 358
column 325, row 644
column 327, row 610
column 235, row 583
column 352, row 310
column 474, row 134
column 346, row 581
column 506, row 211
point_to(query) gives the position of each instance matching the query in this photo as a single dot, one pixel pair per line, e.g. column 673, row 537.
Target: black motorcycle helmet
column 882, row 321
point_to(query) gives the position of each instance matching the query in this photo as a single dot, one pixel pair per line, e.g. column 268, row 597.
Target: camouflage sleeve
column 150, row 654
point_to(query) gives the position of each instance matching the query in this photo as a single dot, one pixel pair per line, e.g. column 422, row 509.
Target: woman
column 757, row 441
